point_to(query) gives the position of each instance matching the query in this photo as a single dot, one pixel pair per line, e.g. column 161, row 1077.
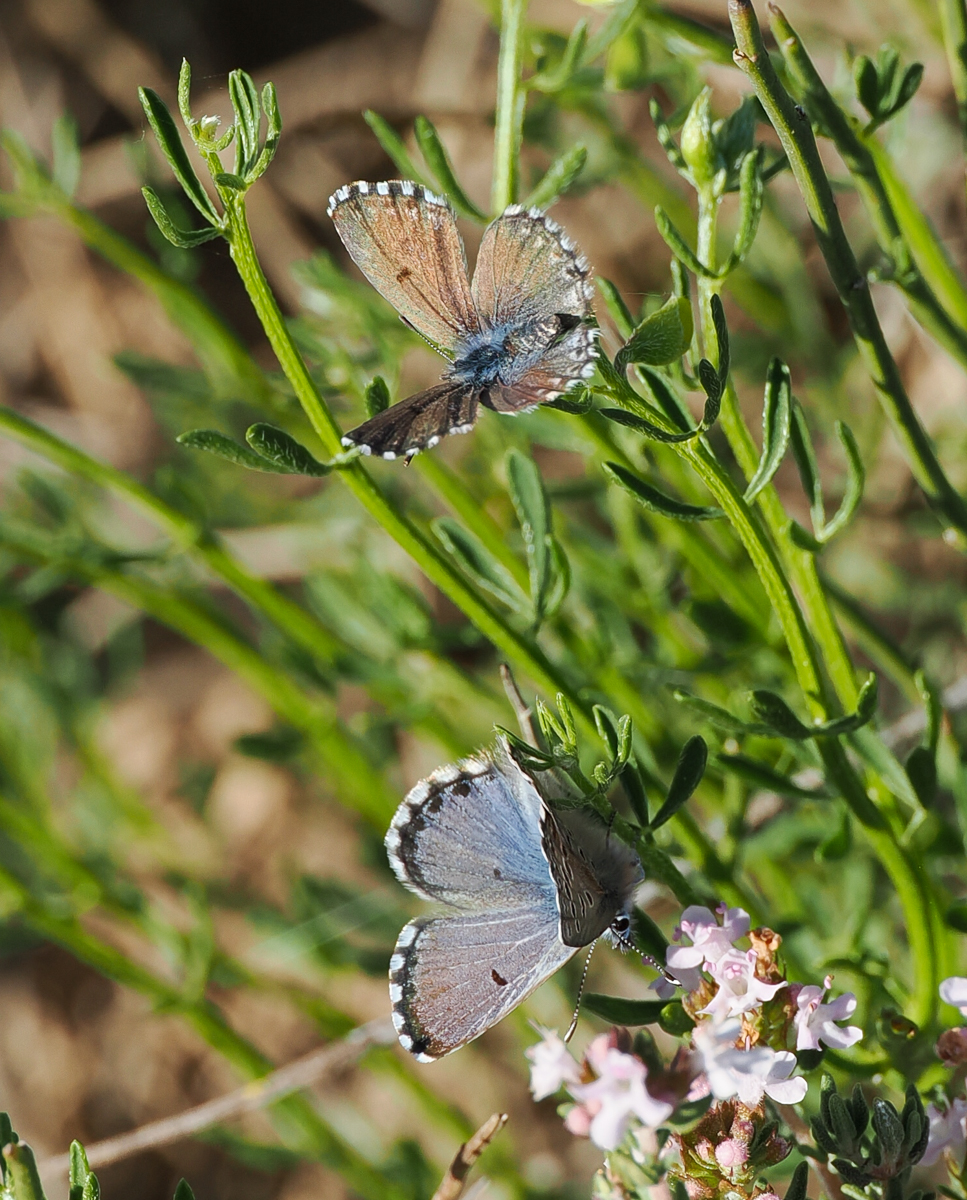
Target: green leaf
column 866, row 703
column 837, row 843
column 647, row 936
column 273, row 132
column 921, row 769
column 227, row 180
column 757, row 773
column 626, row 68
column 534, row 514
column 617, row 309
column 933, row 706
column 867, row 84
column 956, row 916
column 477, row 561
column 776, row 420
column 805, row 456
column 659, row 339
column 632, row 421
column 855, row 482
column 679, row 247
column 579, row 403
column 183, row 1191
column 284, row 451
column 439, row 163
column 166, row 132
column 79, row 1172
column 657, row 501
column 675, row 1020
column 214, row 442
column 22, row 1172
column 395, row 147
column 281, row 743
column 909, row 83
column 559, row 178
column 751, row 193
column 67, row 154
column 666, row 398
column 623, row 1012
column 184, row 239
column 376, row 397
column 634, row 789
column 666, row 138
column 722, row 340
column 713, row 713
column 798, row 1184
column 245, row 101
column 773, row 711
column 184, row 93
column 687, row 777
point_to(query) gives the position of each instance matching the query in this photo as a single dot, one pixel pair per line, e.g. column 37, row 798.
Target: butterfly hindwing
column 527, row 268
column 416, row 423
column 404, row 239
column 452, row 978
column 564, row 366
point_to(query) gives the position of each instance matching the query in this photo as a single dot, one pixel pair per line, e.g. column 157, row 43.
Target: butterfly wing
column 469, row 836
column 452, row 978
column 404, row 239
column 416, row 423
column 528, row 268
column 566, row 364
column 595, row 874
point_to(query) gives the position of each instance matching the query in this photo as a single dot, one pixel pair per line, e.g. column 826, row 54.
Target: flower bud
column 697, row 144
column 952, row 1046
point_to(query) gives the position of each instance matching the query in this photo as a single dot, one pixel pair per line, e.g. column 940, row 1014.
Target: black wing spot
column 497, row 874
column 497, row 978
column 402, row 276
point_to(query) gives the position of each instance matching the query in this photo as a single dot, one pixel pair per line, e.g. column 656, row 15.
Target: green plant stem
column 797, row 139
column 296, row 1117
column 914, row 893
column 521, row 652
column 953, row 21
column 861, row 163
column 715, row 45
column 510, row 105
column 356, row 783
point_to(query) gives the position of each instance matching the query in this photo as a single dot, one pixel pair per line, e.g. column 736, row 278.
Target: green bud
column 697, row 144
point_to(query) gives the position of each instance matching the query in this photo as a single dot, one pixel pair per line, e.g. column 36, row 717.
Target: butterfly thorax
column 502, row 354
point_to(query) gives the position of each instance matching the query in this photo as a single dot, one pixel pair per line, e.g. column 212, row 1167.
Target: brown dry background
column 80, row 1057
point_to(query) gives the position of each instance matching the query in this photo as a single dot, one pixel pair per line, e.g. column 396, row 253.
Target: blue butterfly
column 516, row 337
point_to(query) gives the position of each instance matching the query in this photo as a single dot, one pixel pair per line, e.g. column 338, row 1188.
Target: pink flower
column 816, row 1021
column 731, row 1153
column 551, row 1065
column 607, row 1105
column 948, row 1129
column 954, row 991
column 740, row 989
column 749, row 1073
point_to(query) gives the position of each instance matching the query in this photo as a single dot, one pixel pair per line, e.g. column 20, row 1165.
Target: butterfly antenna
column 577, row 1006
column 524, row 714
column 655, row 965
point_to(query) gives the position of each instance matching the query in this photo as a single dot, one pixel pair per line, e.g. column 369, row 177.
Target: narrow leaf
column 79, row 1171
column 533, row 513
column 617, row 309
column 477, row 561
column 713, row 713
column 623, row 1012
column 377, row 397
column 799, row 1182
column 282, row 449
column 183, row 1191
column 185, row 239
column 640, row 425
column 658, row 501
column 678, row 246
column 214, row 442
column 751, row 193
column 866, row 703
column 67, row 154
column 805, row 456
column 773, row 711
column 910, row 82
column 855, row 482
column 245, row 101
column 755, row 772
column 722, row 340
column 921, row 769
column 439, row 163
column 776, row 417
column 666, row 398
column 634, row 788
column 273, row 132
column 661, row 338
column 666, row 138
column 867, row 84
column 228, row 180
column 687, row 777
column 184, row 92
column 559, row 178
column 166, row 132
column 395, row 147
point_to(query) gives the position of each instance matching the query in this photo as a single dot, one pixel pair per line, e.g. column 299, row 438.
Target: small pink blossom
column 954, row 991
column 731, row 1153
column 948, row 1129
column 816, row 1021
column 552, row 1065
column 608, row 1103
column 749, row 1073
column 740, row 989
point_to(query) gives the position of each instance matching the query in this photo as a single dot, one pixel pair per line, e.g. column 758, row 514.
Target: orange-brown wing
column 404, row 239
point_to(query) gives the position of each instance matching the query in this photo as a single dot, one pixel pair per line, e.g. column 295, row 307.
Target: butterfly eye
column 621, row 923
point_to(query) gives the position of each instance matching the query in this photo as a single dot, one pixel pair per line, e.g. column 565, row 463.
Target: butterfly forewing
column 528, row 268
column 416, row 423
column 404, row 239
column 469, row 836
column 595, row 875
column 451, row 978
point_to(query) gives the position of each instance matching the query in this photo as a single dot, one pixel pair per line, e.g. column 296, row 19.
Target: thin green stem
column 510, row 105
column 795, row 133
column 854, row 148
column 953, row 22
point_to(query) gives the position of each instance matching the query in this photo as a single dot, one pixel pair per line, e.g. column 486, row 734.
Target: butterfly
column 516, row 337
column 523, row 887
